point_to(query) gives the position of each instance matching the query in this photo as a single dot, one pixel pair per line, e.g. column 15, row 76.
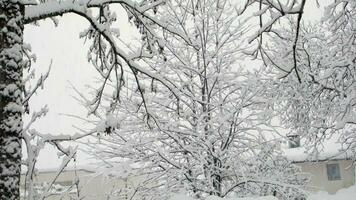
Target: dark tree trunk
column 11, row 64
column 217, row 177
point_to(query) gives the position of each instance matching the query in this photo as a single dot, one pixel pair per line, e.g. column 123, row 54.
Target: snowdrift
column 184, row 197
column 343, row 194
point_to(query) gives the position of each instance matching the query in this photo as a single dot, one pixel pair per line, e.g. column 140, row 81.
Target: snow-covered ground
column 343, row 194
column 183, row 197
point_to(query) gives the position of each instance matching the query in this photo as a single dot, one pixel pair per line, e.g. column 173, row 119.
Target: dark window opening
column 333, row 171
column 294, row 141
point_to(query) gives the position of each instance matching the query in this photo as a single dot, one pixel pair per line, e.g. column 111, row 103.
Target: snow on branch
column 109, row 54
column 271, row 14
column 58, row 8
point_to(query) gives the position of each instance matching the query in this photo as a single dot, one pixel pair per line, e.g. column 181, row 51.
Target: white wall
column 91, row 187
column 319, row 179
column 96, row 187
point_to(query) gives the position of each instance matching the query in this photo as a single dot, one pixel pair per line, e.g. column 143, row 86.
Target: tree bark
column 11, row 74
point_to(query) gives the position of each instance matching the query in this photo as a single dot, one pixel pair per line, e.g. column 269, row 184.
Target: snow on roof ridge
column 300, row 154
column 88, row 168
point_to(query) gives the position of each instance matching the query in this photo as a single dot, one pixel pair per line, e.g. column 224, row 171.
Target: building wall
column 91, row 187
column 96, row 187
column 319, row 177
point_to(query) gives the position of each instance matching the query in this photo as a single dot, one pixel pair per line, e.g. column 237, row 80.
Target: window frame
column 329, row 168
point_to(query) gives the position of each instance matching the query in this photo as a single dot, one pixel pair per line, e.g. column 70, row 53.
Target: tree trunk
column 11, row 64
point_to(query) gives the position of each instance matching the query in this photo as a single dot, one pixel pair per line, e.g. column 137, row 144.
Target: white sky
column 62, row 45
column 68, row 54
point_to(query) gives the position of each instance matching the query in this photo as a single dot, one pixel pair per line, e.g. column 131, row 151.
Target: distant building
column 91, row 186
column 330, row 170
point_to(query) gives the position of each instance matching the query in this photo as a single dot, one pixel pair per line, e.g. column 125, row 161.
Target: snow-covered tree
column 270, row 15
column 106, row 54
column 211, row 139
column 317, row 98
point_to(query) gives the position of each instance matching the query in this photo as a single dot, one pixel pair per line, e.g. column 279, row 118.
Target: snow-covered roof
column 330, row 151
column 86, row 168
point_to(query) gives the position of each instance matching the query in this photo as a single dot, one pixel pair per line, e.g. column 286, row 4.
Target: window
column 333, row 171
column 294, row 141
